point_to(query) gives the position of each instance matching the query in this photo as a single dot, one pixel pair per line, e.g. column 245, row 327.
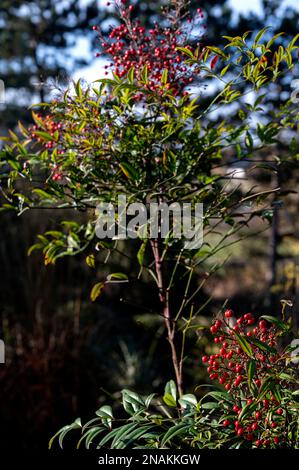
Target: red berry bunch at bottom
column 245, row 364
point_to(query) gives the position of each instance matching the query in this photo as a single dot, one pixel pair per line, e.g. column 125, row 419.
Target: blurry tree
column 37, row 37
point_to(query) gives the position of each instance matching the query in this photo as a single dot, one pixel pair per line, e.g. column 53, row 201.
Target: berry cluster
column 131, row 46
column 46, row 125
column 245, row 348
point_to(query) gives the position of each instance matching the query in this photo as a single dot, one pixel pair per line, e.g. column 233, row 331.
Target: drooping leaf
column 97, row 290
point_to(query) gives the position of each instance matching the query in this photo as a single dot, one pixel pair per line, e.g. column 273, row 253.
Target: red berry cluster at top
column 264, row 424
column 130, row 45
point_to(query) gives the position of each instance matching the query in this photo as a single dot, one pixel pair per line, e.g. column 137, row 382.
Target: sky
column 95, row 71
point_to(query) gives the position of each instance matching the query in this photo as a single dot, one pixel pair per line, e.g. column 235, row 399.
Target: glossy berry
column 226, row 422
column 254, row 426
column 279, row 411
column 228, row 314
column 263, row 324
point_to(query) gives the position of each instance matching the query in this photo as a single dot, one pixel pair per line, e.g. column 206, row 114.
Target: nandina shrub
column 255, row 406
column 145, row 134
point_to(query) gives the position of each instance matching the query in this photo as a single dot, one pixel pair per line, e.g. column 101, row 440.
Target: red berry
column 248, row 316
column 254, row 426
column 240, row 431
column 258, row 382
column 235, row 409
column 249, row 437
column 258, row 443
column 276, row 440
column 273, row 425
column 204, row 358
column 226, row 422
column 266, row 403
column 228, row 314
column 263, row 324
column 227, row 387
column 279, row 411
column 249, row 401
column 213, row 329
column 218, row 323
column 258, row 415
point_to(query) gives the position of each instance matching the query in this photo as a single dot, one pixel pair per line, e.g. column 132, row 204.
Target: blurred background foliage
column 65, row 356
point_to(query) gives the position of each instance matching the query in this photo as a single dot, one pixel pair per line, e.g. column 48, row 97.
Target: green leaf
column 249, row 141
column 63, row 431
column 246, row 410
column 275, row 321
column 251, row 368
column 129, row 171
column 96, row 290
column 186, row 51
column 262, row 346
column 132, row 402
column 106, row 414
column 170, row 388
column 117, row 276
column 141, row 252
column 179, row 429
column 188, row 400
column 210, row 405
column 42, row 194
column 131, row 75
column 259, row 36
column 44, row 135
column 78, row 89
column 164, row 77
column 169, row 400
column 244, row 344
column 90, row 261
column 89, row 436
column 133, row 436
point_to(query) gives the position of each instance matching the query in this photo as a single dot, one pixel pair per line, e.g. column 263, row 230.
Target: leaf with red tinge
column 214, row 62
